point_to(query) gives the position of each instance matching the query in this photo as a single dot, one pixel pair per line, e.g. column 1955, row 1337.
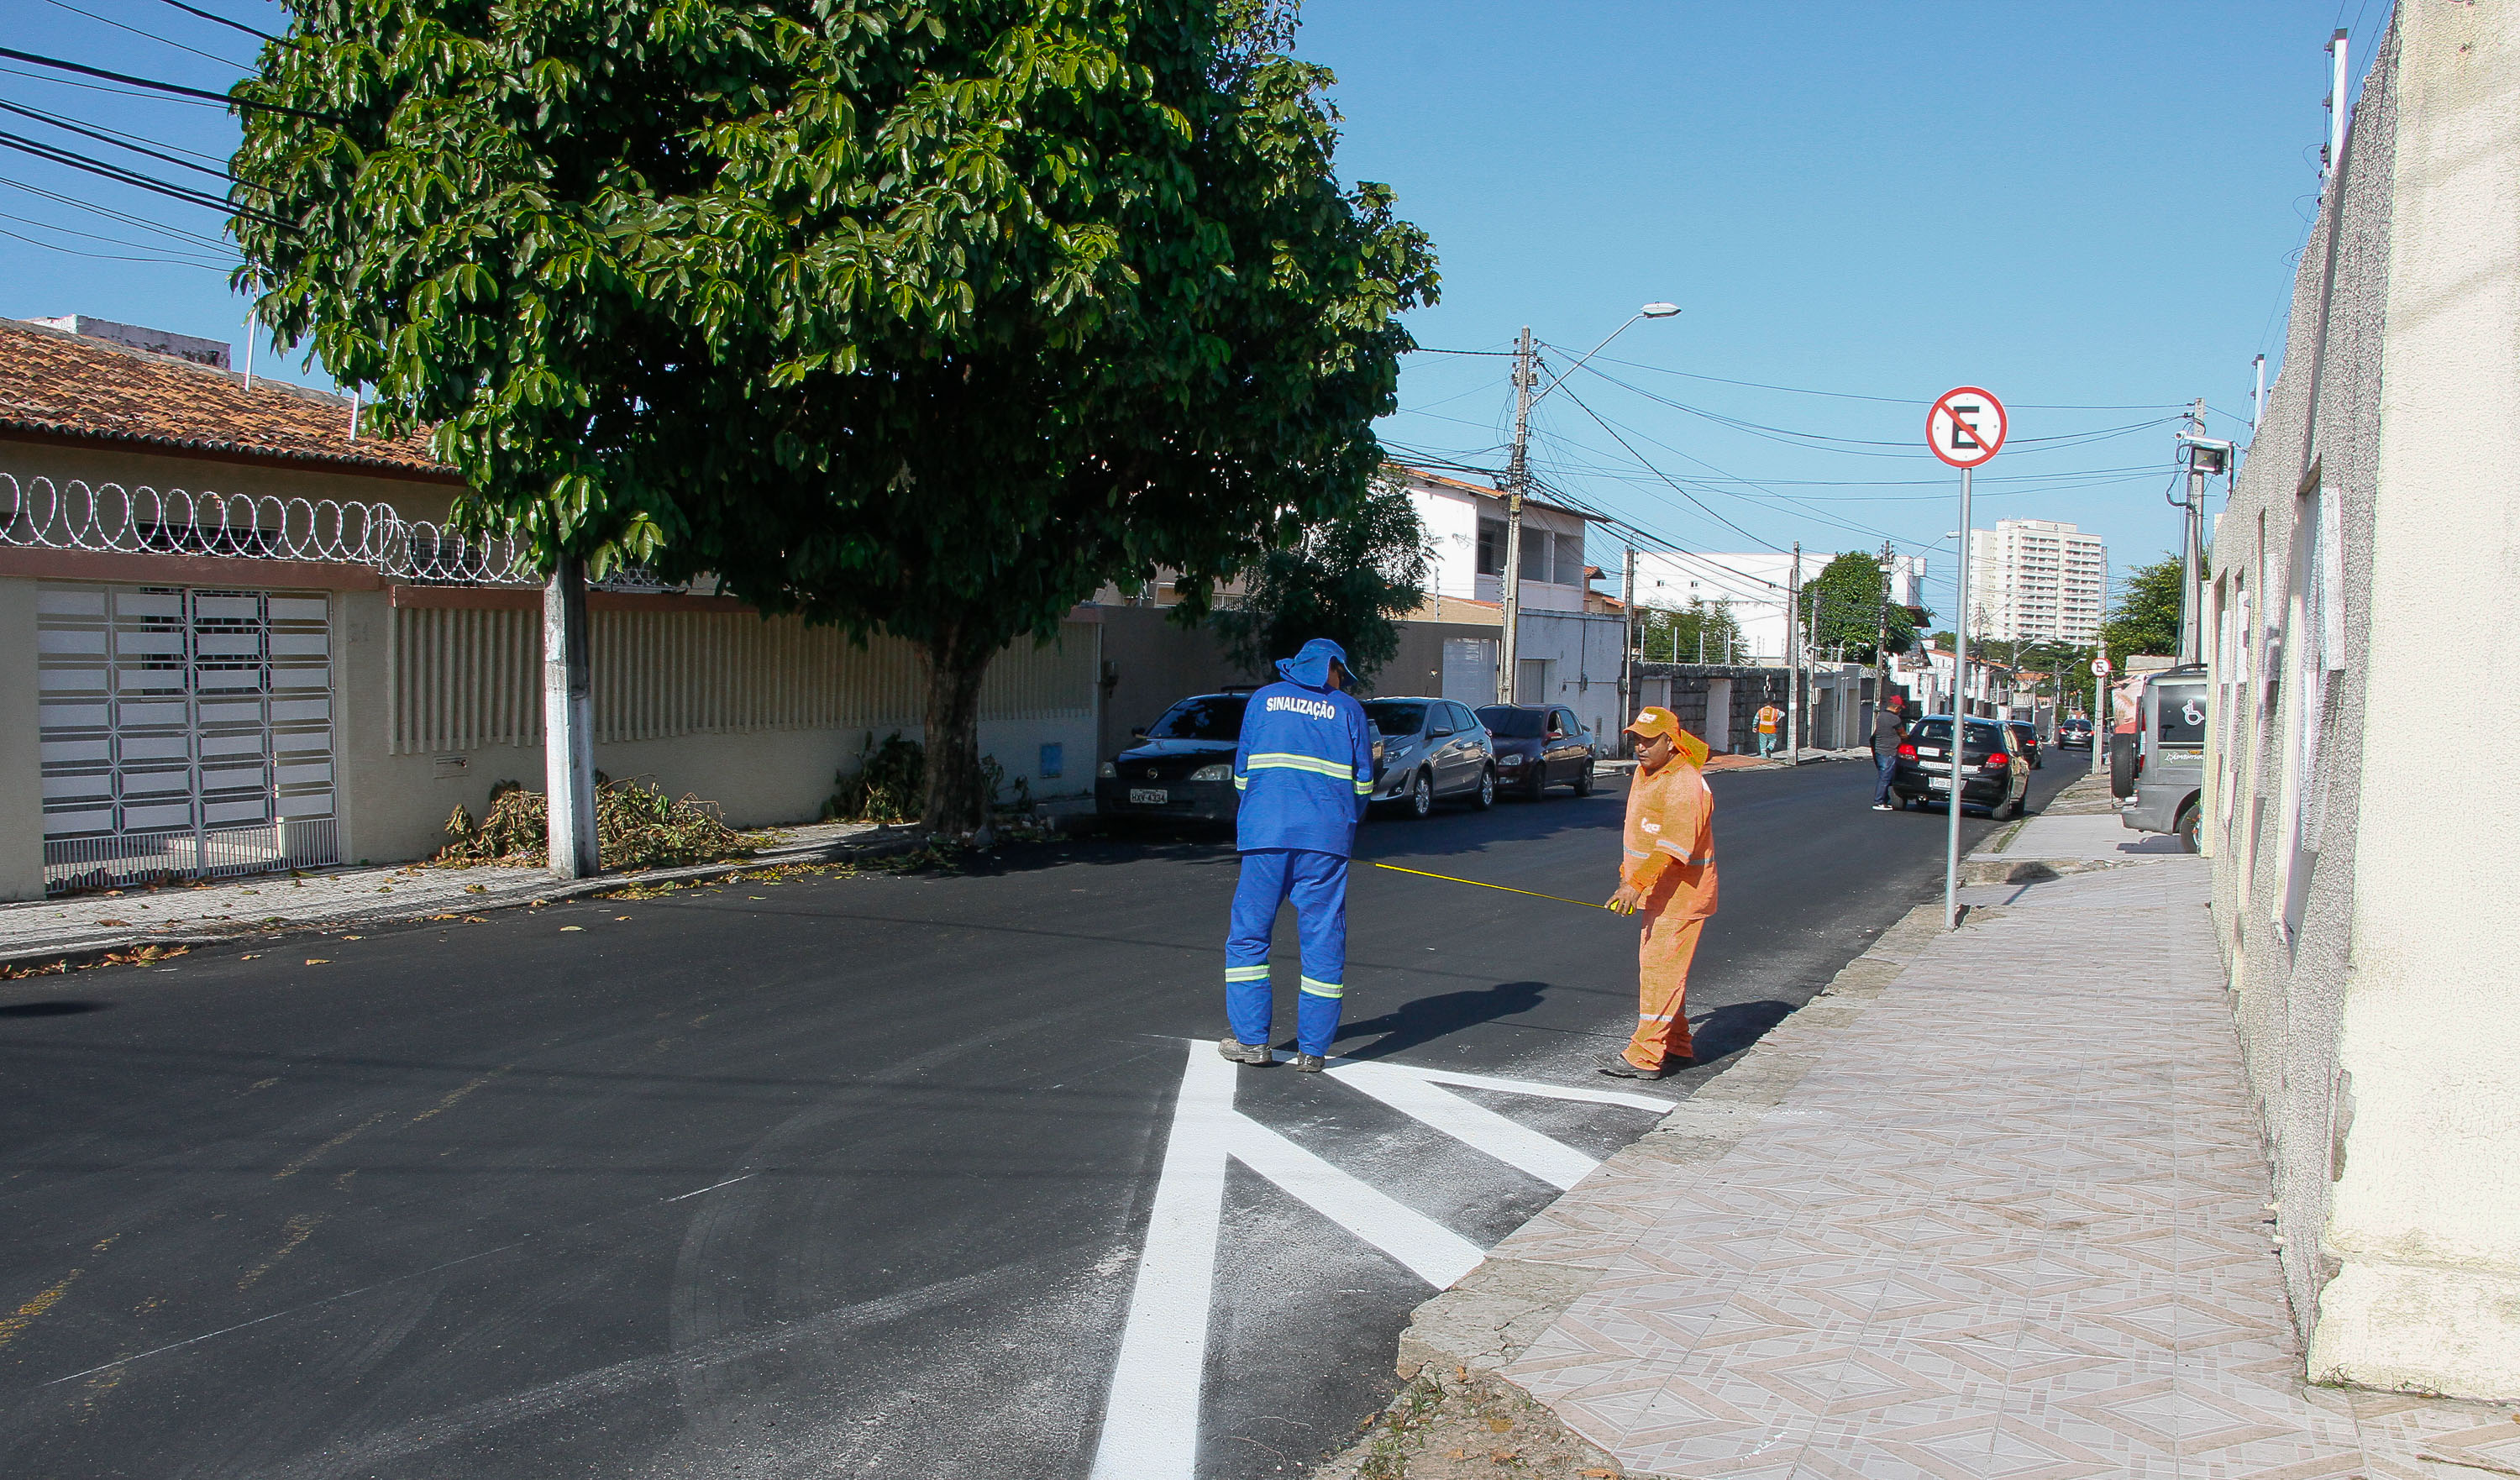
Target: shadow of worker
column 1429, row 1018
column 1736, row 1026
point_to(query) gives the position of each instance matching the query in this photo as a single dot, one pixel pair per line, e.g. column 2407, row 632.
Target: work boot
column 1620, row 1068
column 1256, row 1054
column 1310, row 1063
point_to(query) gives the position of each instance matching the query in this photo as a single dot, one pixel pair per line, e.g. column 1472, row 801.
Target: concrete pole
column 1518, row 478
column 568, row 723
column 1628, row 633
column 1794, row 660
column 2191, row 545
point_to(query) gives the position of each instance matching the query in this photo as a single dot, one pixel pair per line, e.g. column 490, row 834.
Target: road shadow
column 52, row 1008
column 1429, row 1018
column 1736, row 1026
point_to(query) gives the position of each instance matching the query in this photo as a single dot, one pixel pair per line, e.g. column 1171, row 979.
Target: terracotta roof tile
column 70, row 386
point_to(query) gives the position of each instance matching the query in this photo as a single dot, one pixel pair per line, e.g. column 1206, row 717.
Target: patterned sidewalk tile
column 1989, row 1232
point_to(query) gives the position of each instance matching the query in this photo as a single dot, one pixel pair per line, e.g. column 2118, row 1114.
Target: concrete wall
column 2371, row 549
column 1689, row 683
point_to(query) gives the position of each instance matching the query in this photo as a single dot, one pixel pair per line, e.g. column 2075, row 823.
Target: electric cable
column 234, row 25
column 140, row 221
column 123, row 176
column 70, row 231
column 150, row 35
column 1848, row 395
column 175, row 89
column 107, row 256
column 102, row 138
column 117, row 133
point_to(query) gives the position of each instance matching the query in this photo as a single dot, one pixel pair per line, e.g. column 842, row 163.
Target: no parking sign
column 1965, row 428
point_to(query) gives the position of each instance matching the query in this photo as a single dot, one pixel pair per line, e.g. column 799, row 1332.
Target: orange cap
column 1656, row 720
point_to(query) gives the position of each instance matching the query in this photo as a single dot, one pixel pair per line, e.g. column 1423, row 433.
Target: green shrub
column 889, row 783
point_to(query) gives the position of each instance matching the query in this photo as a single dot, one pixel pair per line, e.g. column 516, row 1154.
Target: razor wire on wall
column 110, row 519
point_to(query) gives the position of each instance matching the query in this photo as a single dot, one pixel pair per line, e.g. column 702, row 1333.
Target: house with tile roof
column 238, row 631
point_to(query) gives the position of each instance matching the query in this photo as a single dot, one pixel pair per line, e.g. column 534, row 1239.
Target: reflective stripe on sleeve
column 1328, row 988
column 1247, row 973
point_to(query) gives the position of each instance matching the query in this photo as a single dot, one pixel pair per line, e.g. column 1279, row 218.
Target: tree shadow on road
column 1429, row 1018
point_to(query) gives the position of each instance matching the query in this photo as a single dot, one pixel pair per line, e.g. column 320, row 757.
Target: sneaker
column 1620, row 1068
column 1256, row 1054
column 1310, row 1063
column 1884, row 807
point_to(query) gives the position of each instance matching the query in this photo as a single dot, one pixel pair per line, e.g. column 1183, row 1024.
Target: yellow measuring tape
column 1507, row 888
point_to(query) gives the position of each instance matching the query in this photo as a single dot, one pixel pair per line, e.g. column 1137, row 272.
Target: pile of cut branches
column 637, row 826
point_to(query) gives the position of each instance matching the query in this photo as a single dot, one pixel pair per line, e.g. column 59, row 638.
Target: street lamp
column 1518, row 483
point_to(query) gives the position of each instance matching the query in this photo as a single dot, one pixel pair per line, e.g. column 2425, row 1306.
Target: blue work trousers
column 1318, row 885
column 1888, row 761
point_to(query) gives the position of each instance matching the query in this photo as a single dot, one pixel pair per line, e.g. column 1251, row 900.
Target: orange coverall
column 1670, row 858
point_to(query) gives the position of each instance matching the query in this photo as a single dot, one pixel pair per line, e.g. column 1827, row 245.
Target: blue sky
column 2086, row 208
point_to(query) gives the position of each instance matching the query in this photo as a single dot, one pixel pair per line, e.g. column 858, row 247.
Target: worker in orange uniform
column 1669, row 877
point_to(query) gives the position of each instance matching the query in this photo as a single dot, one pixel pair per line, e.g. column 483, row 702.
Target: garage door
column 186, row 733
column 1469, row 671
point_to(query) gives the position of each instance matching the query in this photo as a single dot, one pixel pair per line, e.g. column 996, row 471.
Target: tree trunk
column 568, row 725
column 956, row 806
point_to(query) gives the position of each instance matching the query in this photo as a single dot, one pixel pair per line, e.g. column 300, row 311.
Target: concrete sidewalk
column 1966, row 1214
column 81, row 926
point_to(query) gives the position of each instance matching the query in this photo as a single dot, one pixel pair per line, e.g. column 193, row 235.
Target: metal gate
column 186, row 733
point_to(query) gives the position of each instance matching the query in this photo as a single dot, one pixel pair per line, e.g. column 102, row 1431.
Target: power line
column 234, row 25
column 1666, row 479
column 148, row 35
column 99, row 87
column 175, row 89
column 105, row 256
column 118, row 174
column 1848, row 395
column 140, row 221
column 102, row 137
column 70, row 231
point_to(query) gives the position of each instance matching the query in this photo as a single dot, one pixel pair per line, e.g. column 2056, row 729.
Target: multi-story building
column 2036, row 580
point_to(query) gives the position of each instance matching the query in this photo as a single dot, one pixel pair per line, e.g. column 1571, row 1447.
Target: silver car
column 1430, row 748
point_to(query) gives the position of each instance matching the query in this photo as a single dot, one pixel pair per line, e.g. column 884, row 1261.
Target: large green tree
column 927, row 318
column 2145, row 617
column 1703, row 631
column 1844, row 606
column 1347, row 578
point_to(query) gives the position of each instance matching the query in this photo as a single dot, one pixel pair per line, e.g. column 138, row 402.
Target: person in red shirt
column 1667, row 875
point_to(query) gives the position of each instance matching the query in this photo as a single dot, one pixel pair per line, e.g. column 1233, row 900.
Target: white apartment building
column 1756, row 586
column 1465, row 532
column 2036, row 580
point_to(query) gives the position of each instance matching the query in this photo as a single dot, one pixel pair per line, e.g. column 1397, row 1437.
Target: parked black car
column 1539, row 747
column 1181, row 766
column 2025, row 736
column 1994, row 773
column 1430, row 748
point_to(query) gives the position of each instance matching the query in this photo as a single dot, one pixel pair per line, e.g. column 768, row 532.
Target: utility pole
column 2258, row 398
column 1517, row 479
column 2206, row 456
column 1882, row 642
column 1794, row 660
column 2331, row 156
column 568, row 724
column 1627, row 636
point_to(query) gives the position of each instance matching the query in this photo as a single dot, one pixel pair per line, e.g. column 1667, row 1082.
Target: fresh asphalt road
column 831, row 1176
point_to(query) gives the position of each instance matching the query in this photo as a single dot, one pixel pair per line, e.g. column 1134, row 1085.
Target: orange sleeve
column 1649, row 870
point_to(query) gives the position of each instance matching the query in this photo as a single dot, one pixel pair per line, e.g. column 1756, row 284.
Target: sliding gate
column 186, row 733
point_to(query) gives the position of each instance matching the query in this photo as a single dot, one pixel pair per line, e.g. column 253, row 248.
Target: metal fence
column 125, row 859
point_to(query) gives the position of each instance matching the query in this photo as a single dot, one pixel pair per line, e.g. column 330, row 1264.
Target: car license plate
column 1141, row 796
column 1938, row 783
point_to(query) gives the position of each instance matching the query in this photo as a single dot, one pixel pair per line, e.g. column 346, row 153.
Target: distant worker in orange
column 1771, row 720
column 1669, row 877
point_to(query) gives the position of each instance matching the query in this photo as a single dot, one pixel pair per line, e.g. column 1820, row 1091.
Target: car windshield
column 1397, row 716
column 1982, row 736
column 1209, row 717
column 1506, row 721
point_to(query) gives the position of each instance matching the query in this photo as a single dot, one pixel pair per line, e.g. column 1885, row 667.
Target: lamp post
column 1517, row 480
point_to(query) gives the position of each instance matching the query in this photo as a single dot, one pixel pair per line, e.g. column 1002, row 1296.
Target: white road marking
column 1510, row 1142
column 1150, row 1422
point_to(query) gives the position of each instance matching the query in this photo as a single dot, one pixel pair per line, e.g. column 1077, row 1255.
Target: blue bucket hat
column 1310, row 667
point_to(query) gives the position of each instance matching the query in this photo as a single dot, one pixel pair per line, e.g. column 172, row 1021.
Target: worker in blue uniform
column 1305, row 769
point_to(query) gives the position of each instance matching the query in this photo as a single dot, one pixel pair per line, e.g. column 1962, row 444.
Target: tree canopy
column 1843, row 607
column 1347, row 578
column 1681, row 634
column 928, row 318
column 2145, row 617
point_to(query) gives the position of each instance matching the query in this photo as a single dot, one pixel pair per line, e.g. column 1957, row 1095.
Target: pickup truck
column 2160, row 778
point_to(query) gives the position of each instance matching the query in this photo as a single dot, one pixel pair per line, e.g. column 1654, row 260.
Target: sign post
column 1964, row 429
column 2100, row 690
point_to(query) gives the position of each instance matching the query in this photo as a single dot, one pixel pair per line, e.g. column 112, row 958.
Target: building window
column 1534, row 553
column 1491, row 547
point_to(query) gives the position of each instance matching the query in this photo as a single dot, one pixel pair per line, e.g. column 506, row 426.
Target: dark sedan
column 2075, row 733
column 1181, row 767
column 2025, row 736
column 1994, row 773
column 1539, row 747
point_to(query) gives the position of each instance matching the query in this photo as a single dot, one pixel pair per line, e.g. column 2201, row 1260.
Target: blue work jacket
column 1305, row 768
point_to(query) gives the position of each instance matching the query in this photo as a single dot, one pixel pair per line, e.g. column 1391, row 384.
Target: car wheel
column 1539, row 786
column 1484, row 798
column 2191, row 821
column 1421, row 796
column 1584, row 778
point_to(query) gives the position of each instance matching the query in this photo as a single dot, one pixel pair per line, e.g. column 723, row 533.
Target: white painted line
column 1151, row 1424
column 1515, row 1145
column 1538, row 1091
column 1432, row 1253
